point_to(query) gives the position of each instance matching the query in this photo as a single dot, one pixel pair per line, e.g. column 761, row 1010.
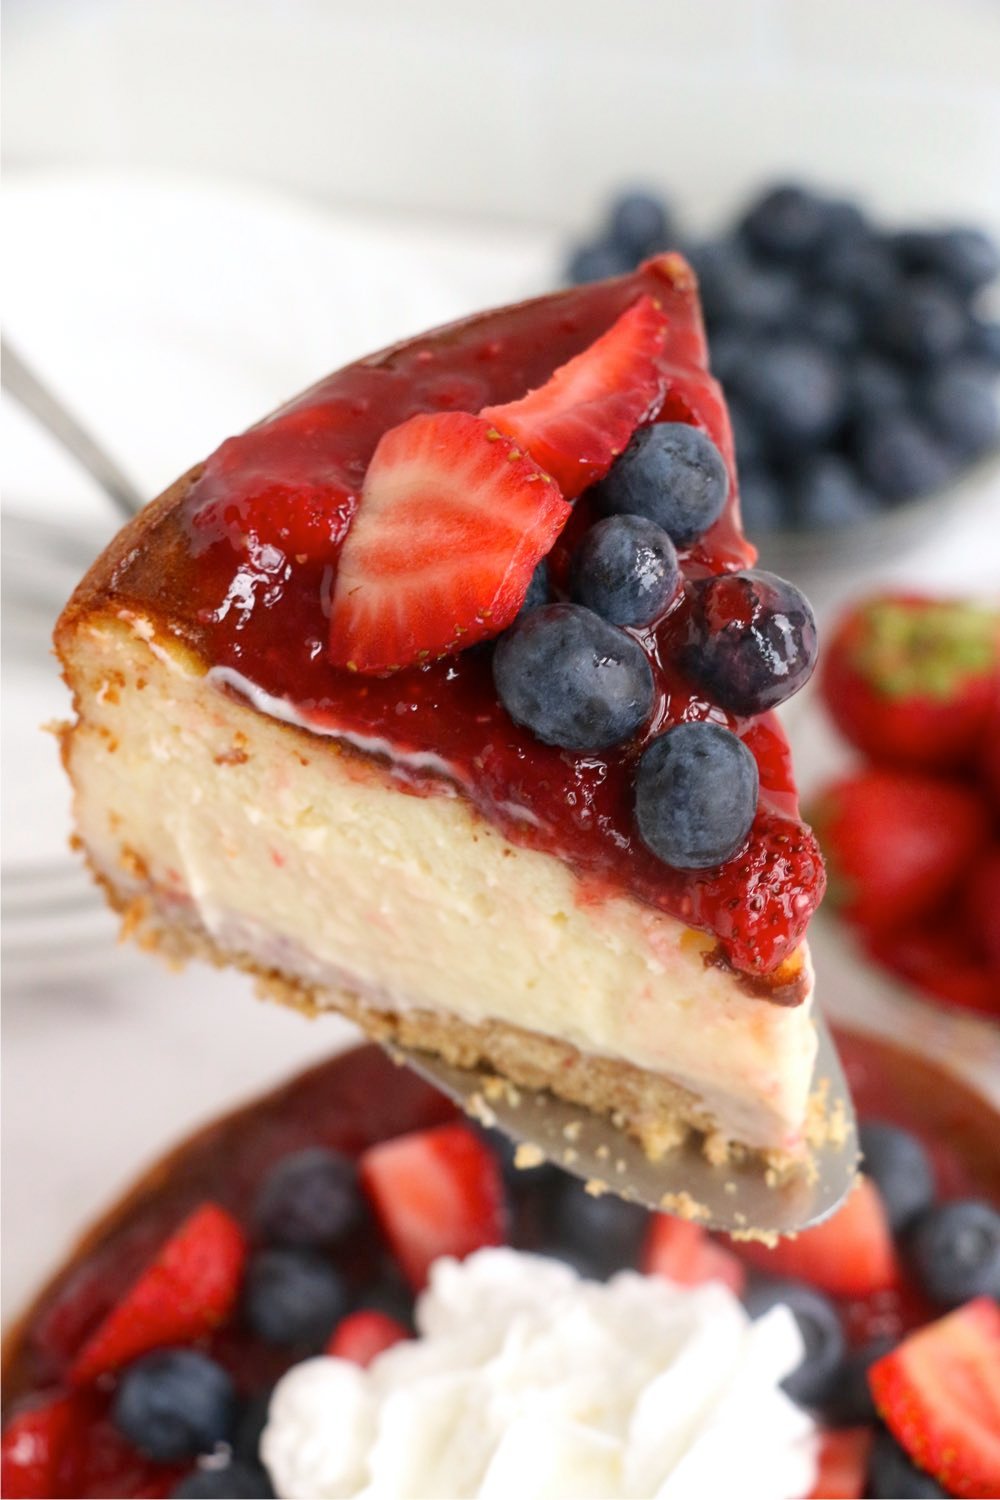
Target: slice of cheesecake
column 368, row 705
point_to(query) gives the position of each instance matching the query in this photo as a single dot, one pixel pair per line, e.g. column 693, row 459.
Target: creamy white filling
column 527, row 1381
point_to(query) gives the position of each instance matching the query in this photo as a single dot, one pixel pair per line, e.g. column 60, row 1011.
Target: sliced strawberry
column 188, row 1289
column 577, row 423
column 849, row 1255
column 683, row 1252
column 843, row 1464
column 939, row 959
column 363, row 1334
column 33, row 1446
column 939, row 1394
column 453, row 520
column 435, row 1192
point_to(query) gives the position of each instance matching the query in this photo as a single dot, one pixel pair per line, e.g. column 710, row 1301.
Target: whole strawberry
column 912, row 681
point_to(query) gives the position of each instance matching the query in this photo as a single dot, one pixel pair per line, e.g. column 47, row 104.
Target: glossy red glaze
column 263, row 614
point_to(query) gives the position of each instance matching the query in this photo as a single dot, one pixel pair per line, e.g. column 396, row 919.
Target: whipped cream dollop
column 527, row 1382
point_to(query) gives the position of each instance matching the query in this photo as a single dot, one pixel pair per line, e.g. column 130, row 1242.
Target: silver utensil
column 56, row 925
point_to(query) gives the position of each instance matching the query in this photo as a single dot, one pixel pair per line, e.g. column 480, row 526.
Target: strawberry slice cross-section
column 453, row 519
column 580, row 420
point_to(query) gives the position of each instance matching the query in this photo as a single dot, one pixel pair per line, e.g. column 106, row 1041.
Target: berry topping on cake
column 850, row 1254
column 363, row 1335
column 573, row 679
column 674, row 475
column 954, row 1248
column 939, row 1394
column 581, row 419
column 293, row 1297
column 188, row 1289
column 751, row 640
column 310, row 1200
column 625, row 570
column 452, row 522
column 305, row 522
column 175, row 1403
column 696, row 793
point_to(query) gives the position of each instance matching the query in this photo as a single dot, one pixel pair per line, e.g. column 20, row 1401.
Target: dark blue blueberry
column 874, row 386
column 967, row 258
column 728, row 356
column 638, row 222
column 762, row 503
column 174, row 1404
column 696, row 795
column 750, row 640
column 231, row 1480
column 310, row 1200
column 387, row 1291
column 293, row 1297
column 797, row 393
column 822, row 1335
column 250, row 1424
column 787, row 223
column 922, row 322
column 831, row 319
column 597, row 262
column 626, row 570
column 846, row 223
column 714, row 263
column 748, row 439
column 572, row 679
column 672, row 474
column 737, row 294
column 860, row 268
column 955, row 1251
column 848, row 1400
column 960, row 403
column 598, row 1235
column 901, row 459
column 540, row 587
column 900, row 1168
column 828, row 495
column 892, row 1475
column 983, row 342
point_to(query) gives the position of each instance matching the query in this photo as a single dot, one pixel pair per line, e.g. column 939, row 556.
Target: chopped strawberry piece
column 364, row 1334
column 849, row 1255
column 33, row 1446
column 435, row 1192
column 843, row 1464
column 577, row 423
column 939, row 1394
column 683, row 1252
column 453, row 520
column 188, row 1289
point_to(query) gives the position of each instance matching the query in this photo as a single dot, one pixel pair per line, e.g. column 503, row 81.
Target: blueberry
column 900, row 1168
column 696, row 795
column 822, row 1335
column 540, row 587
column 231, row 1480
column 832, row 320
column 625, row 569
column 671, row 473
column 787, row 223
column 572, row 679
column 715, row 262
column 875, row 386
column 961, row 405
column 761, row 503
column 846, row 223
column 900, row 458
column 967, row 258
column 310, row 1200
column 859, row 268
column 598, row 1235
column 922, row 322
column 387, row 1292
column 639, row 224
column 174, row 1404
column 983, row 342
column 728, row 351
column 797, row 393
column 293, row 1297
column 892, row 1475
column 848, row 1400
column 751, row 640
column 955, row 1251
column 251, row 1423
column 597, row 262
column 829, row 496
column 748, row 440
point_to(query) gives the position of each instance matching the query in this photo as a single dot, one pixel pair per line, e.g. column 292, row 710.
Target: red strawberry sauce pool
column 252, row 610
column 349, row 1102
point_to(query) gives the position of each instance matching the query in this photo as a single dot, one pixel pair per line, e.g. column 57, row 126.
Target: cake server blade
column 737, row 1197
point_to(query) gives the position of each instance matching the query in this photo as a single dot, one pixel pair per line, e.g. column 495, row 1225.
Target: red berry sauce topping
column 251, row 582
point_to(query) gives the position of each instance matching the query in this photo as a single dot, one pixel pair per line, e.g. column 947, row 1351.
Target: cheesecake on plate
column 443, row 698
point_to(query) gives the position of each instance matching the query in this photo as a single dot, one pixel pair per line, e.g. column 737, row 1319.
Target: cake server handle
column 26, row 388
column 739, row 1197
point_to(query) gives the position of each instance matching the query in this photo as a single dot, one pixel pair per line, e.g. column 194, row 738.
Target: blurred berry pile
column 859, row 365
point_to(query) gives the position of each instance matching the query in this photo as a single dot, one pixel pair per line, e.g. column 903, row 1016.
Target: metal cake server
column 736, row 1197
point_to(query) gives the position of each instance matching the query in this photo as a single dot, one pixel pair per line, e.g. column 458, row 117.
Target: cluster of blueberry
column 176, row 1403
column 571, row 674
column 858, row 369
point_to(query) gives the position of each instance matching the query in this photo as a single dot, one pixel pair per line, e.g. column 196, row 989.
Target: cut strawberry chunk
column 683, row 1252
column 188, row 1289
column 843, row 1464
column 364, row 1334
column 939, row 1394
column 849, row 1255
column 33, row 1446
column 577, row 423
column 435, row 1192
column 453, row 520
